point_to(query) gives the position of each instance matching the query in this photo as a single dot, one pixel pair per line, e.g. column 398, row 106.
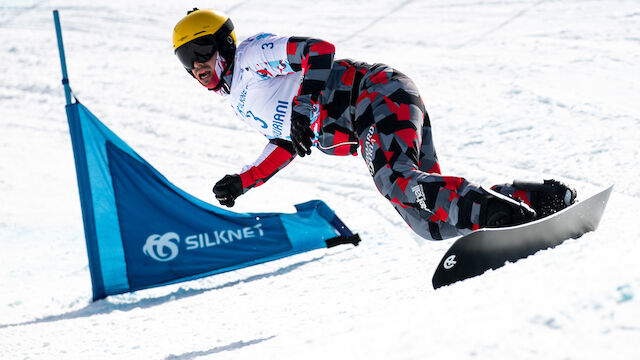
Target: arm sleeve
column 276, row 155
column 314, row 58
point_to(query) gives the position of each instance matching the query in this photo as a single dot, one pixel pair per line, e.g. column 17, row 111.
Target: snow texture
column 515, row 89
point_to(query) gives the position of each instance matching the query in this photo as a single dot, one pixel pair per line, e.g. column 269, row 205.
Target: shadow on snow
column 233, row 346
column 102, row 307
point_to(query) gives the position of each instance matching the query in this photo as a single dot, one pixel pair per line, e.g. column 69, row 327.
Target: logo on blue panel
column 165, row 247
column 162, row 248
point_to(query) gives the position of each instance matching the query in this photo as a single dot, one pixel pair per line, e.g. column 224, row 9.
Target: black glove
column 228, row 189
column 301, row 134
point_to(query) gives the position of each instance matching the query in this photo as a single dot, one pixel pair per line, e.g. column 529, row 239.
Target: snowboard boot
column 545, row 198
column 501, row 211
column 487, row 208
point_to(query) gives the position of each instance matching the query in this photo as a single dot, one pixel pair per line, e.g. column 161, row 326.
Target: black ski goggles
column 200, row 49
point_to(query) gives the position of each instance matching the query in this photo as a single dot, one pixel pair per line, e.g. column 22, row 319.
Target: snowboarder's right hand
column 301, row 134
column 228, row 189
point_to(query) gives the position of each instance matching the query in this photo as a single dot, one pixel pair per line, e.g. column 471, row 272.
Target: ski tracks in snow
column 499, row 26
column 375, row 21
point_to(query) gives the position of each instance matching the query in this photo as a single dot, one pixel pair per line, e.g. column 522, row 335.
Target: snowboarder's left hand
column 301, row 134
column 228, row 189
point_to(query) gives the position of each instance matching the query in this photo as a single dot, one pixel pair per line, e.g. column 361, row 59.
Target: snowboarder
column 293, row 91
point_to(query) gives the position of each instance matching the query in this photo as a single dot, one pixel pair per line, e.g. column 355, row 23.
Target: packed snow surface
column 515, row 89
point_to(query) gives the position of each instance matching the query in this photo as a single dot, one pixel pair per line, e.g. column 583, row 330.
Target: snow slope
column 515, row 89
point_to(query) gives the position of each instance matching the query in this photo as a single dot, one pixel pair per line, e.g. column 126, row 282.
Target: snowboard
column 486, row 249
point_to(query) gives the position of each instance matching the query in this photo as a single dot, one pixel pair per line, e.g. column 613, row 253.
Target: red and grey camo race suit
column 379, row 110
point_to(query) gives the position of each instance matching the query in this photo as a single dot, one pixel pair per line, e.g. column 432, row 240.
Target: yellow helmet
column 200, row 34
column 199, row 23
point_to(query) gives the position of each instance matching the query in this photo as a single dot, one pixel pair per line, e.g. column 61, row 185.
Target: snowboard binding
column 546, row 198
column 497, row 210
column 491, row 209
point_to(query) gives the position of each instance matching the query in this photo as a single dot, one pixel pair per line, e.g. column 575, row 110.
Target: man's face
column 203, row 72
